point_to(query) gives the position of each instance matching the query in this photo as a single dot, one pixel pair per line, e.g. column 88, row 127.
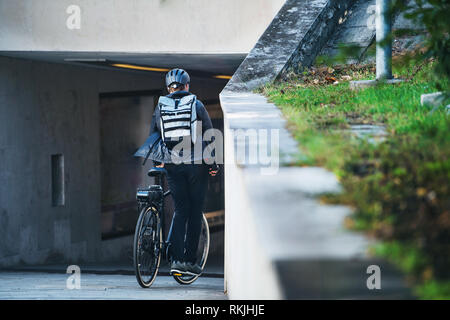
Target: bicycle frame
column 164, row 243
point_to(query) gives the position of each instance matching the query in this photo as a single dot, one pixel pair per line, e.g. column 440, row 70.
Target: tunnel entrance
column 124, row 125
column 88, row 120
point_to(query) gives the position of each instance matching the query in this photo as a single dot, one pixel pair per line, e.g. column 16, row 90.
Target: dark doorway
column 124, row 125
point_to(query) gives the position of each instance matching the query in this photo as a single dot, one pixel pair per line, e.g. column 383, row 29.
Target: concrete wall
column 292, row 40
column 281, row 242
column 254, row 235
column 249, row 273
column 186, row 26
column 46, row 109
column 51, row 109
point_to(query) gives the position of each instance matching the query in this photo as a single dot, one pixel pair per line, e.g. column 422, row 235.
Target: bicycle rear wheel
column 202, row 253
column 147, row 246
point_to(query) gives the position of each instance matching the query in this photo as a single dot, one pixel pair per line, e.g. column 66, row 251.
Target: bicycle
column 149, row 245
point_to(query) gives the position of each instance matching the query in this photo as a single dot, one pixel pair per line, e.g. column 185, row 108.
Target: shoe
column 193, row 269
column 178, row 267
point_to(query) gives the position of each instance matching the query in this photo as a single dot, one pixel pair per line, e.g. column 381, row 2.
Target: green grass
column 399, row 185
column 412, row 261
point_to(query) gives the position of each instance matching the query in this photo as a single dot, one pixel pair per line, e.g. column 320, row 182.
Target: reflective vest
column 178, row 117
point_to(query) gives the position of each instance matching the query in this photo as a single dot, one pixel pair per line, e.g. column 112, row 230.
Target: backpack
column 178, row 117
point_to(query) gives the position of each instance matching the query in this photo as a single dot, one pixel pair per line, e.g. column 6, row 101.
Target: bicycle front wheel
column 147, row 246
column 202, row 253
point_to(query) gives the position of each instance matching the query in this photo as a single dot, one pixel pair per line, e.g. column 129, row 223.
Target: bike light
column 154, row 193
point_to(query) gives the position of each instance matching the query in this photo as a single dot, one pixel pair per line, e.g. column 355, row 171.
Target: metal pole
column 384, row 40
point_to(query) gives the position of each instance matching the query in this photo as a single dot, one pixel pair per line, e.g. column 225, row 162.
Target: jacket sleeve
column 154, row 128
column 203, row 116
column 155, row 121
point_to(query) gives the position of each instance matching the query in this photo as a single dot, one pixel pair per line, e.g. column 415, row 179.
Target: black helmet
column 178, row 76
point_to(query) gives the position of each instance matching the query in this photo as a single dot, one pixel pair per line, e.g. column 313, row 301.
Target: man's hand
column 160, row 166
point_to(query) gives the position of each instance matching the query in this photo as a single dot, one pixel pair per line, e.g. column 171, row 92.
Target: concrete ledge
column 362, row 84
column 432, row 99
column 435, row 100
column 280, row 241
column 292, row 40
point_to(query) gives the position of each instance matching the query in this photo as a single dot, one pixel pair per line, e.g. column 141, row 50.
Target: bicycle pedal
column 177, row 274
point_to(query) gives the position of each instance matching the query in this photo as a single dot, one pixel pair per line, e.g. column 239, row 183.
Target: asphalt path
column 44, row 285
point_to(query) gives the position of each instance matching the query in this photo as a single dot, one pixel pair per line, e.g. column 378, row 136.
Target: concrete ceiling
column 197, row 64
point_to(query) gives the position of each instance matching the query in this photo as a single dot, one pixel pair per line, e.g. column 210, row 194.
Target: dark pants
column 188, row 184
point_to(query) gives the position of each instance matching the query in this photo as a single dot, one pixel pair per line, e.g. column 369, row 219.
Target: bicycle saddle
column 156, row 172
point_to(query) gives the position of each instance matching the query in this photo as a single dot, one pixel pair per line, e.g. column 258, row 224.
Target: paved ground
column 43, row 285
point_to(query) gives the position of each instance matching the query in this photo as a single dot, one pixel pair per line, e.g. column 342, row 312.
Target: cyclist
column 178, row 117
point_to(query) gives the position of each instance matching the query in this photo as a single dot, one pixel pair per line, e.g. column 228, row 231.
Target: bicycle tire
column 202, row 251
column 151, row 246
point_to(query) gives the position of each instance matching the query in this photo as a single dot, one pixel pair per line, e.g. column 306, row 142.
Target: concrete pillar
column 384, row 40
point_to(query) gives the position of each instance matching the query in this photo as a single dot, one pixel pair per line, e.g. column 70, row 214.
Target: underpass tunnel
column 70, row 127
